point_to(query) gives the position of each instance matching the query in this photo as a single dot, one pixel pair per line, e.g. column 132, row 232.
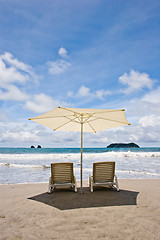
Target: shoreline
column 78, row 181
column 27, row 211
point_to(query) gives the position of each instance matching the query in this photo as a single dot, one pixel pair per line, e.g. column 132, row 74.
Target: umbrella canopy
column 82, row 120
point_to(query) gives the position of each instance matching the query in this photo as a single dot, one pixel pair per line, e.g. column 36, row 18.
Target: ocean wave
column 24, row 165
column 75, row 156
column 138, row 172
column 77, row 169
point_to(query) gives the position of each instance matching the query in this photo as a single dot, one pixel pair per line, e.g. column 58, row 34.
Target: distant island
column 39, row 146
column 123, row 145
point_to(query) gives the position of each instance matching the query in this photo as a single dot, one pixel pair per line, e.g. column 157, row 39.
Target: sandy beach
column 28, row 212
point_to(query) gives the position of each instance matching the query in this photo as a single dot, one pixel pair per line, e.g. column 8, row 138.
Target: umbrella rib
column 117, row 110
column 108, row 111
column 49, row 117
column 91, row 114
column 91, row 127
column 96, row 118
column 69, row 110
column 72, row 120
column 86, row 118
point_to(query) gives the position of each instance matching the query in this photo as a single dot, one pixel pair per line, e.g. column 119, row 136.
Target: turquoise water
column 22, row 165
column 73, row 150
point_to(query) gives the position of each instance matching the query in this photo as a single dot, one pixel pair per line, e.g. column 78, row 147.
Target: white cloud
column 42, row 103
column 70, row 94
column 18, row 133
column 18, row 136
column 8, row 57
column 83, row 91
column 62, row 52
column 13, row 93
column 11, row 75
column 58, row 66
column 135, row 81
column 3, row 115
column 13, row 72
column 151, row 120
column 153, row 96
column 101, row 94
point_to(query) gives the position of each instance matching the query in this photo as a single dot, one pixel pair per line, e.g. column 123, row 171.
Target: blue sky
column 86, row 54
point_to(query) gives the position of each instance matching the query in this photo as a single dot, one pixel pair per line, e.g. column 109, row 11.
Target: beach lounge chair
column 62, row 176
column 104, row 175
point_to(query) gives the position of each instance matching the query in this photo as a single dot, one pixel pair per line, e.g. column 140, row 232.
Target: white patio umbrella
column 82, row 120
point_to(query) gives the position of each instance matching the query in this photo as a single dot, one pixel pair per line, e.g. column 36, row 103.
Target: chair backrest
column 103, row 171
column 62, row 172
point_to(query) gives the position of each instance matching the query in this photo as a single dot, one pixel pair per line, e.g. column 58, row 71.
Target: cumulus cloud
column 41, row 103
column 58, row 66
column 8, row 57
column 70, row 94
column 18, row 134
column 101, row 94
column 135, row 81
column 13, row 72
column 27, row 134
column 13, row 93
column 62, row 52
column 153, row 96
column 11, row 75
column 151, row 120
column 3, row 116
column 84, row 91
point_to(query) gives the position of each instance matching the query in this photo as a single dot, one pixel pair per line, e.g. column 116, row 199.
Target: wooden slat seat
column 62, row 175
column 103, row 174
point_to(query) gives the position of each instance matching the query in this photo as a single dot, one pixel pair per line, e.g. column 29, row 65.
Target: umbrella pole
column 81, row 149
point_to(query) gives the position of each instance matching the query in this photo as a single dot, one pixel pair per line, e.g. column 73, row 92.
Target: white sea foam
column 75, row 156
column 85, row 170
column 139, row 173
column 19, row 168
column 23, row 165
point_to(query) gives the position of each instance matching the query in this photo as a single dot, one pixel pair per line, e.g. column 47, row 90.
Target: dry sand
column 28, row 212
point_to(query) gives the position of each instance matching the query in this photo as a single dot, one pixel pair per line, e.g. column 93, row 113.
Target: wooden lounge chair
column 104, row 175
column 62, row 175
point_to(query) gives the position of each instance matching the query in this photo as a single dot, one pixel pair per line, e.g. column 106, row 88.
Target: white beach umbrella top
column 93, row 120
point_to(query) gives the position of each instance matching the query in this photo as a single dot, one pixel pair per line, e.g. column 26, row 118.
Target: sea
column 32, row 165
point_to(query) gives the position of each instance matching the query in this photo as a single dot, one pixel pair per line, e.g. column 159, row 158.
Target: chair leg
column 90, row 180
column 117, row 186
column 91, row 183
column 75, row 187
column 49, row 186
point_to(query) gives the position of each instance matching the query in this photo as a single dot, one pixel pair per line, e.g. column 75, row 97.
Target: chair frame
column 62, row 176
column 103, row 175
